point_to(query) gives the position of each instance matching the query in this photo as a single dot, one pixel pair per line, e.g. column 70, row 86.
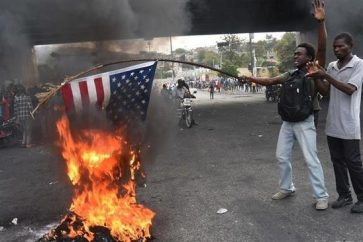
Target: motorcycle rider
column 180, row 92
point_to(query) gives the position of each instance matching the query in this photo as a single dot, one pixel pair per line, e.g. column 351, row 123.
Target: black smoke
column 25, row 23
column 341, row 16
column 345, row 16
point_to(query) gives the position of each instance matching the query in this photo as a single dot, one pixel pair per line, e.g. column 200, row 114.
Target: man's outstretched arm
column 319, row 14
column 264, row 81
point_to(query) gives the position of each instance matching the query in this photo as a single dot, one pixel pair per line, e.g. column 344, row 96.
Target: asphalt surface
column 226, row 161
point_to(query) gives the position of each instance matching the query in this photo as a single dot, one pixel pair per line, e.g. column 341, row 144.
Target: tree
column 230, row 68
column 285, row 51
column 235, row 51
column 180, row 51
column 263, row 51
column 234, row 43
column 207, row 57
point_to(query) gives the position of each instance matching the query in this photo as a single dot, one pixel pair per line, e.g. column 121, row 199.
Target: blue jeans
column 304, row 133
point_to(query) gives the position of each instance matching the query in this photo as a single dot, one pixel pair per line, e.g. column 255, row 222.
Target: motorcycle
column 10, row 132
column 185, row 112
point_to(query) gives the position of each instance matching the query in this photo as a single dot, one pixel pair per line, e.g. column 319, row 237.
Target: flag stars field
column 121, row 91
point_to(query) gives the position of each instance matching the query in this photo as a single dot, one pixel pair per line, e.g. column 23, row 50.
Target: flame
column 93, row 163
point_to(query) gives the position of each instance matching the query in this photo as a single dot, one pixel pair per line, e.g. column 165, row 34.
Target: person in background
column 22, row 108
column 211, row 90
column 165, row 93
column 1, row 105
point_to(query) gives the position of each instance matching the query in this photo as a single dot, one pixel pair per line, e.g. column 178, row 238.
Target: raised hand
column 315, row 70
column 318, row 10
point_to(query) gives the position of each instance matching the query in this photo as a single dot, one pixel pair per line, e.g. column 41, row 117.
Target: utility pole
column 220, row 46
column 172, row 57
column 149, row 44
column 252, row 60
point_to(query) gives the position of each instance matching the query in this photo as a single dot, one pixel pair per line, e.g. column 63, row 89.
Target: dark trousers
column 316, row 118
column 345, row 155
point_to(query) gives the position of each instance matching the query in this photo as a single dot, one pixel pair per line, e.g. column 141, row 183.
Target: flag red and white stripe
column 85, row 91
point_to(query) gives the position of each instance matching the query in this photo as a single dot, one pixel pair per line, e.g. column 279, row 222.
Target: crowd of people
column 220, row 85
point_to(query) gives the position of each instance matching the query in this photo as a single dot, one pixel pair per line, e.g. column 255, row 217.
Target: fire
column 102, row 197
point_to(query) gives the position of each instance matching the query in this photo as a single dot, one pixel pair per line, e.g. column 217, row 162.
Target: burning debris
column 72, row 222
column 102, row 170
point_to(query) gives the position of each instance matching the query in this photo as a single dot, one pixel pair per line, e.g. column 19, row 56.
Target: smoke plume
column 345, row 16
column 341, row 16
column 25, row 23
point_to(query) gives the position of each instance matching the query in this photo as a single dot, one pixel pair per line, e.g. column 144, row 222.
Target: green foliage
column 230, row 68
column 180, row 51
column 235, row 53
column 164, row 70
column 285, row 51
column 273, row 71
column 262, row 48
column 234, row 43
column 245, row 59
column 207, row 57
column 232, row 57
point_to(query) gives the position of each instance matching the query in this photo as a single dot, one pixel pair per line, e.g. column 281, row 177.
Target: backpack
column 296, row 102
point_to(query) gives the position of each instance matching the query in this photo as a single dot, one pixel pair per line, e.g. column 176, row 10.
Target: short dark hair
column 310, row 50
column 347, row 37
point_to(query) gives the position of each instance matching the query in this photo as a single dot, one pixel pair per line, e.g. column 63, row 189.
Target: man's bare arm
column 264, row 81
column 323, row 80
column 319, row 15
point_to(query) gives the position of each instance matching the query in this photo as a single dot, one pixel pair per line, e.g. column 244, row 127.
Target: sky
column 192, row 42
column 160, row 45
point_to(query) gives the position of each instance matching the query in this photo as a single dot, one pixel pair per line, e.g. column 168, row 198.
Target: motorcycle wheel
column 188, row 119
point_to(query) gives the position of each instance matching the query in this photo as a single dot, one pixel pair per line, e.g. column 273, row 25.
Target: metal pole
column 251, row 53
column 172, row 57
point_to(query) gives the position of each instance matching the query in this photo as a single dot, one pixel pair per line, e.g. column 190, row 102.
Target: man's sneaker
column 357, row 207
column 281, row 195
column 341, row 202
column 321, row 204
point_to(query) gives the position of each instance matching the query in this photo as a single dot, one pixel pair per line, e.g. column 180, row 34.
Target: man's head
column 342, row 45
column 304, row 53
column 180, row 83
column 20, row 89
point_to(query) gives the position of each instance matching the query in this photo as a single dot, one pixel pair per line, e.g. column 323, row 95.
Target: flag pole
column 52, row 92
column 175, row 61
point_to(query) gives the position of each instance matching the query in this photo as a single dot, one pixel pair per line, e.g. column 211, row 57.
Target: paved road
column 227, row 161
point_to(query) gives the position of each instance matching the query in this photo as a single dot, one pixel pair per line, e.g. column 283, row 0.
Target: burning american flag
column 102, row 164
column 125, row 93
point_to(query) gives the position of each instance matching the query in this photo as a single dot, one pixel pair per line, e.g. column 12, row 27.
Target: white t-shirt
column 179, row 92
column 343, row 120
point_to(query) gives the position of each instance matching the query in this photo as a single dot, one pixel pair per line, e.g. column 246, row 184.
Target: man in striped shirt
column 22, row 108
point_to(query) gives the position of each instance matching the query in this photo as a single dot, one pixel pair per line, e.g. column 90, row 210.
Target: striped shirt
column 22, row 107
